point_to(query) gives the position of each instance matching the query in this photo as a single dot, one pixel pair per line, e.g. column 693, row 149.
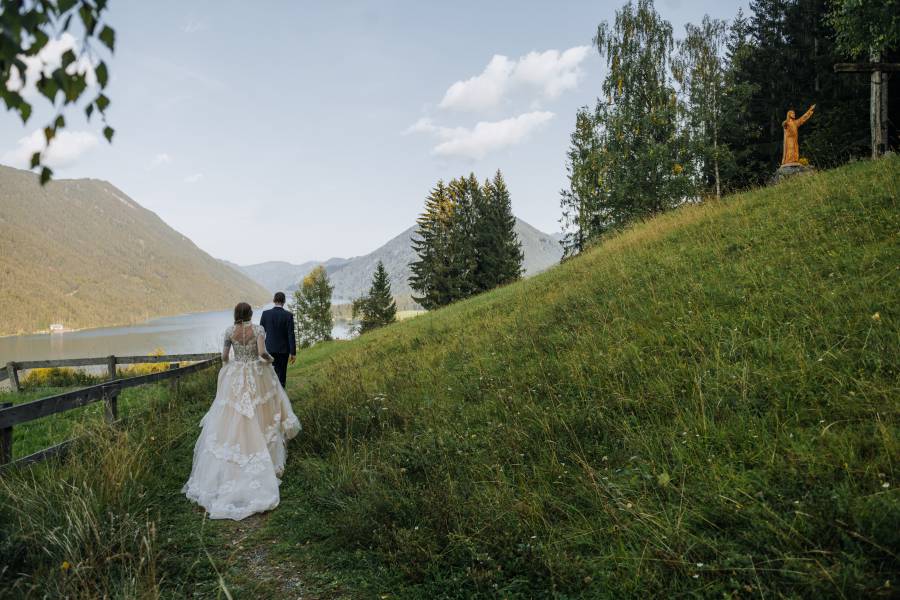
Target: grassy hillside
column 705, row 406
column 83, row 253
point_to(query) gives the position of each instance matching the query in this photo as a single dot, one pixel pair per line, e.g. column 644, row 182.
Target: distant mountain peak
column 351, row 277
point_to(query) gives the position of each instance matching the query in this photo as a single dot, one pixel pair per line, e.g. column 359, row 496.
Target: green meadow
column 703, row 405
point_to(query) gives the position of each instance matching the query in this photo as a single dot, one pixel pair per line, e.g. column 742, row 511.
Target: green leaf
column 88, row 111
column 102, row 74
column 67, row 58
column 40, row 40
column 65, row 5
column 59, row 123
column 108, row 37
column 49, row 133
column 663, row 479
column 108, row 133
column 35, row 159
column 87, row 18
column 102, row 102
column 24, row 111
column 48, row 87
column 46, row 174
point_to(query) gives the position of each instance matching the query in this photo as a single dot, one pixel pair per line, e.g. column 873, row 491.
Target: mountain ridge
column 351, row 276
column 84, row 253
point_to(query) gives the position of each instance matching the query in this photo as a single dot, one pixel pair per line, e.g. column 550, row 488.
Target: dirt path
column 253, row 558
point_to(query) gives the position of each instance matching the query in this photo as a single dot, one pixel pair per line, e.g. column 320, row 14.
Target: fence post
column 6, row 439
column 173, row 382
column 111, row 367
column 111, row 403
column 12, row 370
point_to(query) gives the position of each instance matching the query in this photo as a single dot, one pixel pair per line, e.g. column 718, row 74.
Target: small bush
column 58, row 377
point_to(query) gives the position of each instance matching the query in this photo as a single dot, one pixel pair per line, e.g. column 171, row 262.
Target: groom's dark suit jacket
column 279, row 326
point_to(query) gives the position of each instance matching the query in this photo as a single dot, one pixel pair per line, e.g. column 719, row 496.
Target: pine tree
column 499, row 250
column 431, row 277
column 467, row 199
column 377, row 308
column 312, row 308
column 580, row 203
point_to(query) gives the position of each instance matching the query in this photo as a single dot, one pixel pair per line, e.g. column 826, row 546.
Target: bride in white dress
column 239, row 456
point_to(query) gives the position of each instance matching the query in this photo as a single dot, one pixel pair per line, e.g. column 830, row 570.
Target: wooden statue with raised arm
column 791, row 124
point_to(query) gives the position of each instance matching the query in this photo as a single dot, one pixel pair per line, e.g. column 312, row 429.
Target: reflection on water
column 198, row 332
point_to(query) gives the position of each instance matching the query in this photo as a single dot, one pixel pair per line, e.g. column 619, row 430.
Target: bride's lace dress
column 240, row 453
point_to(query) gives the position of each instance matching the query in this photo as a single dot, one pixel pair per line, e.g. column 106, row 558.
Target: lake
column 182, row 334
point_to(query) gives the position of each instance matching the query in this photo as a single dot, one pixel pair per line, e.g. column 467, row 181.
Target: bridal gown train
column 239, row 456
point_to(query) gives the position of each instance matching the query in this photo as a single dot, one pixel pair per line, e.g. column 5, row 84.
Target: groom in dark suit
column 280, row 341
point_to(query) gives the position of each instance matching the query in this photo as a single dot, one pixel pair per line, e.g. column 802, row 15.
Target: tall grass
column 110, row 522
column 705, row 405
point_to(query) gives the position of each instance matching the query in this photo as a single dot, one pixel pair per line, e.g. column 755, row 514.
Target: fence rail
column 108, row 391
column 12, row 368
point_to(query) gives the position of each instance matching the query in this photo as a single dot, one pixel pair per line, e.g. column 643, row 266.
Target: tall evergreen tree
column 465, row 241
column 499, row 249
column 312, row 308
column 431, row 273
column 467, row 201
column 377, row 308
column 582, row 217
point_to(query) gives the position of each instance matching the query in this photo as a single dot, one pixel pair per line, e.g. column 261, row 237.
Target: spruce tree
column 467, row 199
column 312, row 308
column 580, row 203
column 431, row 277
column 499, row 250
column 377, row 308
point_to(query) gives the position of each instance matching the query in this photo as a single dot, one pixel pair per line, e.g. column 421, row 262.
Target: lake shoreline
column 187, row 333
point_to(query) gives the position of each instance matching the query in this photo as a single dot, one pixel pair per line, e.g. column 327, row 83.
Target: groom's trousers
column 279, row 363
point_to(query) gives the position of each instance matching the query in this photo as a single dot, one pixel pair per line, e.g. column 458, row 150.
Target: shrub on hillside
column 58, row 377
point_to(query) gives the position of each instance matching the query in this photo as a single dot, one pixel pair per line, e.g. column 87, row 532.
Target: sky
column 304, row 130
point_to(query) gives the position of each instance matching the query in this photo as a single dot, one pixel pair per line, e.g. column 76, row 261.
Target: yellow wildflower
column 677, row 169
column 65, row 566
column 876, row 317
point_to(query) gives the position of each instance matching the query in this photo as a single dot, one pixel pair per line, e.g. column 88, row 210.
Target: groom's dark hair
column 279, row 298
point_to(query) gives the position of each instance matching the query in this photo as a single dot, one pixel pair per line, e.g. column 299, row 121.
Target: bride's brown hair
column 242, row 312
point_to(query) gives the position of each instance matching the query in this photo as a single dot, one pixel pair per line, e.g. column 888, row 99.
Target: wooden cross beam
column 878, row 103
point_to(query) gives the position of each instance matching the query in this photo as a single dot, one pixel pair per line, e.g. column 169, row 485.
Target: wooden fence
column 108, row 391
column 12, row 368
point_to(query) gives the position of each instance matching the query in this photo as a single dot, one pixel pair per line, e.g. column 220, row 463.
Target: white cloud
column 485, row 137
column 46, row 61
column 195, row 178
column 482, row 91
column 66, row 148
column 159, row 160
column 193, row 26
column 548, row 73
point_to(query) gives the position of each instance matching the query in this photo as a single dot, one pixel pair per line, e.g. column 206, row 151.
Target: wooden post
column 12, row 371
column 878, row 109
column 111, row 403
column 111, row 367
column 173, row 383
column 878, row 97
column 6, row 440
